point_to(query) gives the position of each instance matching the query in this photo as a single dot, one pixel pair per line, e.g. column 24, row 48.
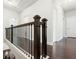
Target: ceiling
column 67, row 4
column 18, row 5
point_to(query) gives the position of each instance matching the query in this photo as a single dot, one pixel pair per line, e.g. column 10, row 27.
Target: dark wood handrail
column 22, row 25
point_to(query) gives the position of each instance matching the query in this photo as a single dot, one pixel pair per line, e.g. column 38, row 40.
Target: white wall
column 58, row 18
column 9, row 17
column 45, row 8
column 57, row 22
column 54, row 14
column 42, row 8
column 70, row 23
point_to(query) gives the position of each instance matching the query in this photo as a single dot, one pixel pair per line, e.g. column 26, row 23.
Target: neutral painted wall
column 54, row 14
column 58, row 15
column 70, row 23
column 57, row 22
column 9, row 17
column 42, row 8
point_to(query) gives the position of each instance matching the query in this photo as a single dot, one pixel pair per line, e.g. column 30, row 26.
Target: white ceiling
column 67, row 4
column 18, row 5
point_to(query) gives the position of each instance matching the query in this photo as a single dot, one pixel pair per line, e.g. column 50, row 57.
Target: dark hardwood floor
column 65, row 49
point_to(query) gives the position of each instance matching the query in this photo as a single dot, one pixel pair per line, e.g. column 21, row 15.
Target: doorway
column 69, row 23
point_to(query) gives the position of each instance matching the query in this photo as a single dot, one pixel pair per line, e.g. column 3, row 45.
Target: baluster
column 31, row 41
column 11, row 33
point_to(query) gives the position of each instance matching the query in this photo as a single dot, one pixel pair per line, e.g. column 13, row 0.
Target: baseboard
column 72, row 37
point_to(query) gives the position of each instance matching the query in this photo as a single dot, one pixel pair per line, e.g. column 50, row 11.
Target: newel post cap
column 37, row 18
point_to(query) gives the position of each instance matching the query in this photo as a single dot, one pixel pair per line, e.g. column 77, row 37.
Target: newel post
column 44, row 37
column 11, row 33
column 37, row 37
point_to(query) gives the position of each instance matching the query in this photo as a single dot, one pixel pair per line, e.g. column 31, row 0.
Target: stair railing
column 34, row 47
